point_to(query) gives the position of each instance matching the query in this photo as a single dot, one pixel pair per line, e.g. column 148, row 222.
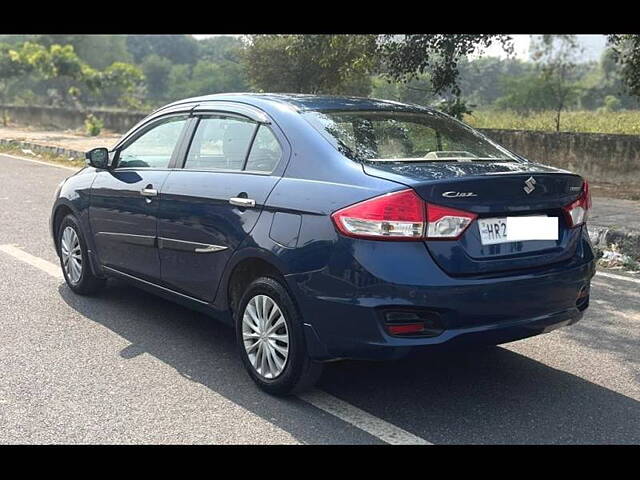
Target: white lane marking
column 48, row 267
column 371, row 424
column 618, row 277
column 48, row 164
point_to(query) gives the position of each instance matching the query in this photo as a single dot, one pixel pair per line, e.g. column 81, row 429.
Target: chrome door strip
column 132, row 277
column 183, row 245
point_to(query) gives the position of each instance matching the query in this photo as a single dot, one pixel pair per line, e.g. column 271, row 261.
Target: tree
column 180, row 49
column 626, row 51
column 482, row 80
column 157, row 70
column 524, row 94
column 208, row 78
column 330, row 64
column 125, row 82
column 98, row 51
column 557, row 57
column 405, row 57
column 220, row 48
column 12, row 68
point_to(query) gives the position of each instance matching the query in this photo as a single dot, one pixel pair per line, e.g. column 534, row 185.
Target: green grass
column 43, row 157
column 624, row 122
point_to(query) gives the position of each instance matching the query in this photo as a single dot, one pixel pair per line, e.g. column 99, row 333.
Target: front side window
column 220, row 143
column 385, row 136
column 265, row 151
column 154, row 148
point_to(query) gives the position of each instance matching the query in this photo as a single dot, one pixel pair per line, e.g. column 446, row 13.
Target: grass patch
column 42, row 156
column 624, row 122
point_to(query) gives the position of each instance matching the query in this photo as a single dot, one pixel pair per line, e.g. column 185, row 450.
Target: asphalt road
column 128, row 367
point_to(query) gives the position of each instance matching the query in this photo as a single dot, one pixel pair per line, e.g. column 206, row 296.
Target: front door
column 210, row 206
column 123, row 210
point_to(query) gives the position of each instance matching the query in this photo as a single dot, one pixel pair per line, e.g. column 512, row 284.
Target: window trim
column 147, row 127
column 200, row 115
column 255, row 134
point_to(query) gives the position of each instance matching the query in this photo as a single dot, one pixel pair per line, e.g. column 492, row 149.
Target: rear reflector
column 408, row 329
column 401, row 215
column 422, row 323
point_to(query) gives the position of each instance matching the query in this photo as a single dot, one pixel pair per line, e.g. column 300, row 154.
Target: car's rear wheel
column 74, row 260
column 271, row 339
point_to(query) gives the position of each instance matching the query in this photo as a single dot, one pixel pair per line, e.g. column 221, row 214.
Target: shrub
column 93, row 125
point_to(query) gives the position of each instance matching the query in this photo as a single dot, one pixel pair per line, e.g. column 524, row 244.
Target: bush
column 611, row 104
column 93, row 125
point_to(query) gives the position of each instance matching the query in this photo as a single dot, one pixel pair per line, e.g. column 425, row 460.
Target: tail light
column 401, row 216
column 445, row 222
column 576, row 212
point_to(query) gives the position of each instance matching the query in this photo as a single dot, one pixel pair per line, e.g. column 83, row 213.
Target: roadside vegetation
column 622, row 122
column 553, row 90
column 17, row 150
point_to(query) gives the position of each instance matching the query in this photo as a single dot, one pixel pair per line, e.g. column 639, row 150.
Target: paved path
column 65, row 139
column 615, row 213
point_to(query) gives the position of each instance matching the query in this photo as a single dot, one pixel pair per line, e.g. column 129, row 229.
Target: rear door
column 124, row 200
column 209, row 206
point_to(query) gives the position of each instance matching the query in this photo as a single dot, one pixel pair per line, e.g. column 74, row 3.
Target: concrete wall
column 597, row 156
column 63, row 118
column 601, row 157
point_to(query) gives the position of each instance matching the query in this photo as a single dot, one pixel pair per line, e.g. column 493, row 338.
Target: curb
column 627, row 241
column 36, row 147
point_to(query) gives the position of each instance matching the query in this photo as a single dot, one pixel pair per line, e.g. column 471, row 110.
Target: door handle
column 149, row 192
column 242, row 202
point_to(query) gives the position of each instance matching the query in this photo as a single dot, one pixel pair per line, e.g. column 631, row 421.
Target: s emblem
column 458, row 194
column 529, row 185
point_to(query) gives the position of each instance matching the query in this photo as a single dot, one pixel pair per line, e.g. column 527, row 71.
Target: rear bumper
column 343, row 309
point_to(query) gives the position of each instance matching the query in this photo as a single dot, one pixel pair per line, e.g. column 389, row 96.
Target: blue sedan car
column 325, row 228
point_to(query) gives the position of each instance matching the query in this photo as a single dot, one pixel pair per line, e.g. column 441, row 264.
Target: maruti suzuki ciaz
column 325, row 228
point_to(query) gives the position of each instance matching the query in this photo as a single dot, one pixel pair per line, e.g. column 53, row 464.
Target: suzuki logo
column 529, row 185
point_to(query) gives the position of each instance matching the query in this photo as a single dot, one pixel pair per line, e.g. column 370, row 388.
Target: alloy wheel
column 265, row 336
column 71, row 254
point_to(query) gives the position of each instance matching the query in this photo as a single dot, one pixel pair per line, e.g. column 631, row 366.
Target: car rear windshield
column 385, row 136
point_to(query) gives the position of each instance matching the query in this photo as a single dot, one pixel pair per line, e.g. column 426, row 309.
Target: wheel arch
column 62, row 210
column 242, row 270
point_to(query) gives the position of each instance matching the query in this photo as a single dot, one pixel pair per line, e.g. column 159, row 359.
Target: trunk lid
column 491, row 189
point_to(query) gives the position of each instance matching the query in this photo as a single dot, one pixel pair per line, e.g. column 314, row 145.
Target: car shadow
column 487, row 395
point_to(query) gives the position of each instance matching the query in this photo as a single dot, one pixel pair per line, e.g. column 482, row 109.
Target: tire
column 84, row 283
column 298, row 371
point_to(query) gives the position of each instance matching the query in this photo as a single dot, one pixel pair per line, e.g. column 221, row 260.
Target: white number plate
column 517, row 229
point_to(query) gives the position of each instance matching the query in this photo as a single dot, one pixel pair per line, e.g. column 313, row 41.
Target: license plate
column 517, row 229
column 493, row 230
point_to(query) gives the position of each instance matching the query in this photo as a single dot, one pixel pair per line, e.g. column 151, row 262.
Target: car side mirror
column 98, row 157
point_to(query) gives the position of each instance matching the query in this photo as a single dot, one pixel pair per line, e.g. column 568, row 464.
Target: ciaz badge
column 458, row 194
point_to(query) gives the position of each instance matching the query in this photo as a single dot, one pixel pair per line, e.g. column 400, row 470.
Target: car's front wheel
column 271, row 339
column 74, row 260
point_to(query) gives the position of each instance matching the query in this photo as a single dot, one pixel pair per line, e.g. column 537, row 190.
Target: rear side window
column 220, row 143
column 154, row 148
column 265, row 151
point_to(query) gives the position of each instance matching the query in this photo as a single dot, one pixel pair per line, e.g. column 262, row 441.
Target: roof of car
column 308, row 102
